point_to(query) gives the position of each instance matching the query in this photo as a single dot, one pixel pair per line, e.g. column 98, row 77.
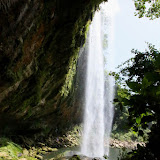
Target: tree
column 148, row 8
column 142, row 79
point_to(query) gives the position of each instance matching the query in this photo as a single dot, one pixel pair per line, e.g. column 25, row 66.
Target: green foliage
column 70, row 75
column 121, row 128
column 148, row 8
column 9, row 148
column 123, row 155
column 130, row 135
column 143, row 83
column 120, row 122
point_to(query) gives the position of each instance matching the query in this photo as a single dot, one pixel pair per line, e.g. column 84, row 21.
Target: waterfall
column 98, row 111
column 93, row 138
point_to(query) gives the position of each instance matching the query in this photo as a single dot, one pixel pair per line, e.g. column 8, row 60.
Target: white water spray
column 98, row 103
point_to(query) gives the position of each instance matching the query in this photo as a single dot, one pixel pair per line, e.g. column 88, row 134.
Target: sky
column 132, row 32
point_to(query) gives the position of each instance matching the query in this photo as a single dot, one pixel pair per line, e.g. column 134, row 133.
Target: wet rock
column 82, row 157
column 45, row 149
column 75, row 157
column 52, row 149
column 32, row 153
column 42, row 152
column 39, row 156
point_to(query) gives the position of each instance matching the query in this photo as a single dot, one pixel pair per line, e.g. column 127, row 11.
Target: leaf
column 138, row 120
column 134, row 132
column 135, row 86
column 145, row 82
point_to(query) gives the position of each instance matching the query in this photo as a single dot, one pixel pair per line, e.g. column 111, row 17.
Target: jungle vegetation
column 141, row 82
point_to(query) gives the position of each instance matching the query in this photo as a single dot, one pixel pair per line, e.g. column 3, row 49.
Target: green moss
column 79, row 35
column 11, row 149
column 70, row 75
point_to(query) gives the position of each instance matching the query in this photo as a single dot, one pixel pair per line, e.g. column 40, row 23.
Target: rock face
column 39, row 46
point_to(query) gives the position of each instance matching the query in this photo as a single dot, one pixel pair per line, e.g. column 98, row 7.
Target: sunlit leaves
column 138, row 120
column 147, row 8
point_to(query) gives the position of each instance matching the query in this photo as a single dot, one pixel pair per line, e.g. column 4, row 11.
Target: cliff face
column 39, row 46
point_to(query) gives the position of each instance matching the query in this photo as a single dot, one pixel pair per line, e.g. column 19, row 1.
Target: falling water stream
column 93, row 137
column 98, row 112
